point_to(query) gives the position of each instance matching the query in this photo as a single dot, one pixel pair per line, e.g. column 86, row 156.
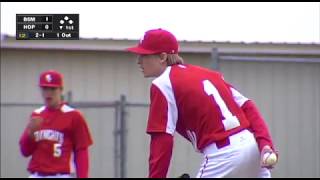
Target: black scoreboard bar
column 47, row 26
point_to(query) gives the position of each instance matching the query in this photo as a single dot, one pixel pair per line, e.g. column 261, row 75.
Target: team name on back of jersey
column 49, row 134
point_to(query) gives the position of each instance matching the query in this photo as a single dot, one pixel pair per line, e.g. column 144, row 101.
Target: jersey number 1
column 230, row 121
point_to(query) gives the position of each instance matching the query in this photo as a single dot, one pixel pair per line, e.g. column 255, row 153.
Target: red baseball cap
column 51, row 78
column 156, row 41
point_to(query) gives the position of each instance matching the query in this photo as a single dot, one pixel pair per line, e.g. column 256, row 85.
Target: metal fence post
column 215, row 58
column 69, row 97
column 123, row 136
column 116, row 140
column 120, row 139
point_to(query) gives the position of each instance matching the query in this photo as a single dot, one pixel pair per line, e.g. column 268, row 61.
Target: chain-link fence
column 95, row 113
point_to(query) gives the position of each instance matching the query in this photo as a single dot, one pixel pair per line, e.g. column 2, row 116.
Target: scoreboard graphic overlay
column 47, row 26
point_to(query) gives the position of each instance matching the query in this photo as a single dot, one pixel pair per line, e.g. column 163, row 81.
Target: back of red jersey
column 195, row 102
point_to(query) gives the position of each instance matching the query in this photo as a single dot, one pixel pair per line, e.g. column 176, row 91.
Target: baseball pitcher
column 200, row 105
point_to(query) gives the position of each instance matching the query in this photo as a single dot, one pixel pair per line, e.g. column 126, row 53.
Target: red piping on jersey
column 204, row 166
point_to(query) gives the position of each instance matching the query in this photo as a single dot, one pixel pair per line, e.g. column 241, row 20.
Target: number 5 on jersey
column 57, row 150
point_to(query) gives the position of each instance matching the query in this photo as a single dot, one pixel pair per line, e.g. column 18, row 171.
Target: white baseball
column 270, row 158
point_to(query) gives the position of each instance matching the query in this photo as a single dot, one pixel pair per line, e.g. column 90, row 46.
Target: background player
column 222, row 124
column 57, row 135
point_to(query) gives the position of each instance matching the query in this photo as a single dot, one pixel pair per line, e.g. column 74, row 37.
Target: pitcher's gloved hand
column 34, row 125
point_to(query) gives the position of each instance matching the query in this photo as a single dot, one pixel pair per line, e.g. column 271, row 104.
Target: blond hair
column 173, row 59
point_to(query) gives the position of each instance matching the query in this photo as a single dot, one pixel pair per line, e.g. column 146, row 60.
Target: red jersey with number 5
column 197, row 103
column 62, row 132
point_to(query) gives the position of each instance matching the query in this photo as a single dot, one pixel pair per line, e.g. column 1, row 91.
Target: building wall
column 90, row 76
column 287, row 94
